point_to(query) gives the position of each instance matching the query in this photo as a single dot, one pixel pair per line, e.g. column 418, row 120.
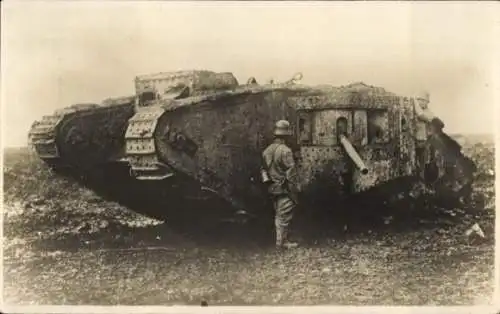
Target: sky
column 55, row 54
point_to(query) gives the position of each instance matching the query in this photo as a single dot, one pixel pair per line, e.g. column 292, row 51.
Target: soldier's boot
column 290, row 245
column 282, row 240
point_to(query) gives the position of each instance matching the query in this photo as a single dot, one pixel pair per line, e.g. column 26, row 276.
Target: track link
column 43, row 133
column 140, row 146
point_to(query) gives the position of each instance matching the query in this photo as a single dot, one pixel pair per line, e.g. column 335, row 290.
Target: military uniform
column 424, row 117
column 280, row 164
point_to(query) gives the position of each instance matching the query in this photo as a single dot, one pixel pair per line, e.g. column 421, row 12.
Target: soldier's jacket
column 281, row 167
column 425, row 115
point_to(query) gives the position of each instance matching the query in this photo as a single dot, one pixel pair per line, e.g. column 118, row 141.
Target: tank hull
column 216, row 143
column 167, row 158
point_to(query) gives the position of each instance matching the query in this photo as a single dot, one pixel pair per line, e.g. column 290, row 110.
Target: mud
column 66, row 245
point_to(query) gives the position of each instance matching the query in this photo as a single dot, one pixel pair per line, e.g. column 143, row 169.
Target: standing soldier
column 424, row 117
column 280, row 166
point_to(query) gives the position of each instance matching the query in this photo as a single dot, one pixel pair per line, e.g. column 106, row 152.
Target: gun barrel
column 351, row 152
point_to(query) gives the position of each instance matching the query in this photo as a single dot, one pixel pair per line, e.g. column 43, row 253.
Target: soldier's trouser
column 283, row 206
column 421, row 156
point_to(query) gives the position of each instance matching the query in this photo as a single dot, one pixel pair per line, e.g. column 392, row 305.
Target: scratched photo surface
column 134, row 151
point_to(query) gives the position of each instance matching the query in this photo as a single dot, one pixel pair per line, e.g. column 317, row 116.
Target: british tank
column 186, row 139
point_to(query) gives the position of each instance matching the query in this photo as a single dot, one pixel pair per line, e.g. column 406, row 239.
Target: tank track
column 55, row 137
column 146, row 163
column 43, row 134
column 140, row 147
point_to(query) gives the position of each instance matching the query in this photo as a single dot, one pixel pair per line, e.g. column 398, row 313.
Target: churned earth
column 64, row 245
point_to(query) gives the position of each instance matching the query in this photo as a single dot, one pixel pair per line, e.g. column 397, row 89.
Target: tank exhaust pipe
column 351, row 152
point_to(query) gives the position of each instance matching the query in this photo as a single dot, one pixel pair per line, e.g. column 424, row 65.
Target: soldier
column 425, row 116
column 280, row 166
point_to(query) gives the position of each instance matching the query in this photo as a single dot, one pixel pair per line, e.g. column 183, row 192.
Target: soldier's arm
column 423, row 112
column 263, row 162
column 290, row 166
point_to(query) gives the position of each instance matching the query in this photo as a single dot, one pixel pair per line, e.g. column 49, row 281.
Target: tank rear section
column 84, row 135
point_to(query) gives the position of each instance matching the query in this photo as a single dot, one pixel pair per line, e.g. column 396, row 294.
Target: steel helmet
column 423, row 95
column 282, row 127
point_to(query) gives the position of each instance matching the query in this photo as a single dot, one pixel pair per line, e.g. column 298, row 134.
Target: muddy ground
column 63, row 245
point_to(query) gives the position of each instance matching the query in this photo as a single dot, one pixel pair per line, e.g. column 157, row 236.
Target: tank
column 185, row 137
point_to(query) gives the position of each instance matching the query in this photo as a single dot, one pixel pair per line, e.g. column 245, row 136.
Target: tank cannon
column 353, row 155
